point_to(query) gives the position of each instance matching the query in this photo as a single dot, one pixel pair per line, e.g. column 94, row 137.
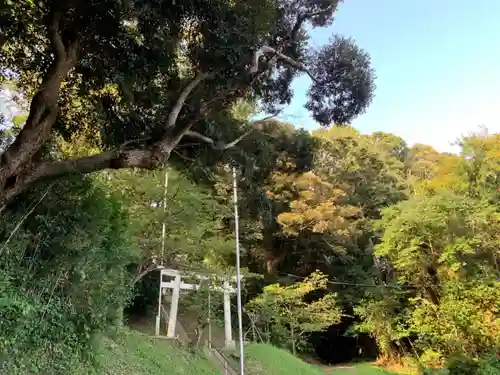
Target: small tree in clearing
column 289, row 311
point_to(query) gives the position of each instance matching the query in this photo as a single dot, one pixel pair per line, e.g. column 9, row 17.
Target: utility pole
column 164, row 228
column 238, row 274
column 163, row 234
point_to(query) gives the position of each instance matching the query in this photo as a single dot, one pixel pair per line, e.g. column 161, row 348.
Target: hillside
column 266, row 360
column 133, row 353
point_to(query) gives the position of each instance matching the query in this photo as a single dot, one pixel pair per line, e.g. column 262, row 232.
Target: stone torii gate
column 176, row 284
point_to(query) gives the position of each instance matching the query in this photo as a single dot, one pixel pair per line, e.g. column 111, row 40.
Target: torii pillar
column 228, row 331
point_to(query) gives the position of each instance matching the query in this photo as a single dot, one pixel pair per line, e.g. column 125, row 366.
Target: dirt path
column 333, row 369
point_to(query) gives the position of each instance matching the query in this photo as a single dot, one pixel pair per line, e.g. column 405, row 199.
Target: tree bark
column 146, row 159
column 17, row 159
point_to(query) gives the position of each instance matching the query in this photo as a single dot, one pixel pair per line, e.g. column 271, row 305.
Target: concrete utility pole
column 163, row 234
column 238, row 274
column 163, row 227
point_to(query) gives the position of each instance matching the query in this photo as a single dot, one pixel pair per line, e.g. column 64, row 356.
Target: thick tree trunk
column 17, row 161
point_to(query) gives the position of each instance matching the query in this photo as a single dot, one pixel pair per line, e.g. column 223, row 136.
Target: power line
column 355, row 284
column 331, row 282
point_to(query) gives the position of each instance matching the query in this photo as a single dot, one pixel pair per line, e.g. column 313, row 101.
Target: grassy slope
column 132, row 353
column 267, row 360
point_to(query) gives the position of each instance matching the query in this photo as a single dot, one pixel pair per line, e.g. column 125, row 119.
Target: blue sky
column 437, row 64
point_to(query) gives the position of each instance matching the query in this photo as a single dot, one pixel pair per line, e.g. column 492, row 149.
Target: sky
column 437, row 64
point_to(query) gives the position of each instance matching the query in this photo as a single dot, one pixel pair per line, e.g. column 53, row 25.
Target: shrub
column 62, row 278
column 490, row 364
column 461, row 365
column 432, row 358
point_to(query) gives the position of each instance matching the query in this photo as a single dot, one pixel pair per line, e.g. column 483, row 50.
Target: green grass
column 268, row 360
column 362, row 369
column 133, row 353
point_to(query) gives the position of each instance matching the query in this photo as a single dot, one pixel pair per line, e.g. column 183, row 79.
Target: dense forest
column 354, row 245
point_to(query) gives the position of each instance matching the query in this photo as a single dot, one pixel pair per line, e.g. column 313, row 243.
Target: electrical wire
column 332, row 282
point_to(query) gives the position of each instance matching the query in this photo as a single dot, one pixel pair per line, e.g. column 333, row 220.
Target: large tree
column 141, row 79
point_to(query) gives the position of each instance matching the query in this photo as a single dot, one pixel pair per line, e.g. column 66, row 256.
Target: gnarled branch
column 210, row 141
column 55, row 36
column 229, row 145
column 145, row 158
column 176, row 109
column 266, row 50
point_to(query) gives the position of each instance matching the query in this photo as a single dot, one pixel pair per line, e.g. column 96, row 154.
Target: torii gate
column 176, row 285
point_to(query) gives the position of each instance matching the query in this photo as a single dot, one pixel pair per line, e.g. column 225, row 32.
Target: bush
column 62, row 278
column 441, row 371
column 490, row 365
column 432, row 358
column 461, row 365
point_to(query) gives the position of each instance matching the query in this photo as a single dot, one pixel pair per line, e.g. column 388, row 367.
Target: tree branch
column 176, row 109
column 55, row 37
column 229, row 145
column 264, row 50
column 143, row 273
column 113, row 159
column 175, row 134
column 332, row 6
column 120, row 158
column 277, row 52
column 200, row 136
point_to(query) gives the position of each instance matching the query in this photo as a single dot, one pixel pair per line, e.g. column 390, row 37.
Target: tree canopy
column 140, row 79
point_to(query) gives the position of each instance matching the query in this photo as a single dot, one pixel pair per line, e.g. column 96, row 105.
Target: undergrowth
column 62, row 282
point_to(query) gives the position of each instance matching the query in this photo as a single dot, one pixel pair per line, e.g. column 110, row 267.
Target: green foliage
column 289, row 311
column 445, row 249
column 441, row 248
column 461, row 365
column 63, row 281
column 489, row 364
column 195, row 236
